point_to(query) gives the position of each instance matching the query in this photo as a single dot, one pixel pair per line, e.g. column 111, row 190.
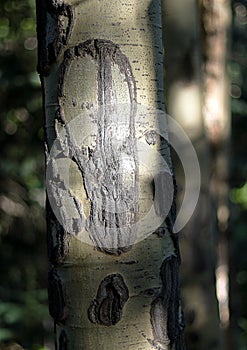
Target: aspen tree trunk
column 111, row 286
column 184, row 88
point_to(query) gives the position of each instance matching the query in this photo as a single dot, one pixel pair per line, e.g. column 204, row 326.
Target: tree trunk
column 184, row 89
column 216, row 20
column 113, row 283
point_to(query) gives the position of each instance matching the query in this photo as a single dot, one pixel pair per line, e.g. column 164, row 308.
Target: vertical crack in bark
column 106, row 309
column 112, row 187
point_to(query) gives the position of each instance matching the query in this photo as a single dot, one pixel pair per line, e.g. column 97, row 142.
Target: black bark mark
column 62, row 20
column 152, row 137
column 165, row 307
column 180, row 341
column 56, row 297
column 58, row 240
column 106, row 309
column 170, row 220
column 160, row 196
column 55, row 21
column 62, row 341
column 114, row 201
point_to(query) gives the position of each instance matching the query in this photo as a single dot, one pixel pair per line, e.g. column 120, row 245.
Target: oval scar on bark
column 111, row 187
column 164, row 312
column 56, row 297
column 106, row 309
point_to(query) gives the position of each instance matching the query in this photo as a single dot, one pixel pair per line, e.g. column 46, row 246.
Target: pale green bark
column 128, row 299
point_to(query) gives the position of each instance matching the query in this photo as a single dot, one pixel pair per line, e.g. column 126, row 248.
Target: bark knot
column 106, row 309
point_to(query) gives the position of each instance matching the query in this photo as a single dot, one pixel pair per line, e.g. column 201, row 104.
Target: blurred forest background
column 24, row 314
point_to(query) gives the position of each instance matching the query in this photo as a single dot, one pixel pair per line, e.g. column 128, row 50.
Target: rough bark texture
column 107, row 288
column 100, row 165
column 106, row 308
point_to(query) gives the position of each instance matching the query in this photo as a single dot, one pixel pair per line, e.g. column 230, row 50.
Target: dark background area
column 23, row 260
column 238, row 170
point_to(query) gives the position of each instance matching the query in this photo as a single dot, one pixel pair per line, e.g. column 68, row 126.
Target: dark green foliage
column 23, row 295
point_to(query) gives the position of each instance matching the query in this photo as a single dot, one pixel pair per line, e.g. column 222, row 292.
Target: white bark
column 111, row 293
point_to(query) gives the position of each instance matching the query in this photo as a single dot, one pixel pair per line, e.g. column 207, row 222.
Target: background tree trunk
column 216, row 21
column 96, row 60
column 191, row 84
